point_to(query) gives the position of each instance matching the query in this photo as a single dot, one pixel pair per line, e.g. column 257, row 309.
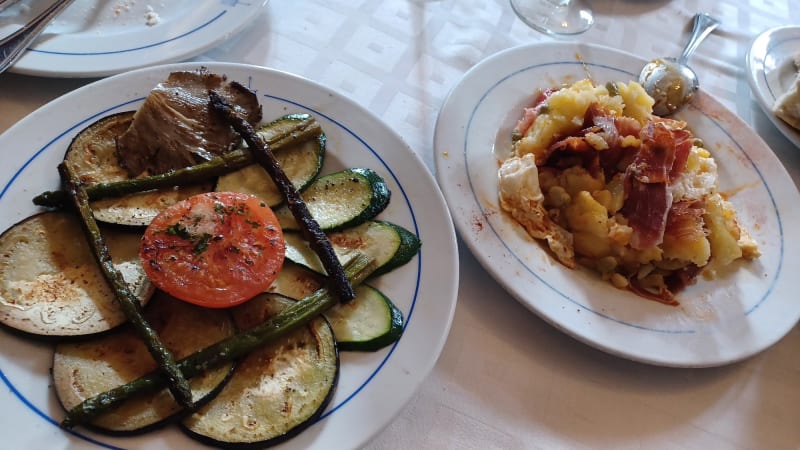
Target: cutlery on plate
column 13, row 46
column 671, row 82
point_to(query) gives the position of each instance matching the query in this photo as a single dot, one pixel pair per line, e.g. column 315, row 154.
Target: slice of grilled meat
column 175, row 128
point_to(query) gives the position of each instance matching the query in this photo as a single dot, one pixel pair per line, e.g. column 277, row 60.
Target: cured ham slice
column 604, row 151
column 685, row 236
column 529, row 114
column 683, row 146
column 661, row 157
column 646, row 208
column 656, row 155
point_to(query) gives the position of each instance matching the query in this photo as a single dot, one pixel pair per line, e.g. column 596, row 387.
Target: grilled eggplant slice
column 84, row 369
column 275, row 392
column 49, row 281
column 92, row 154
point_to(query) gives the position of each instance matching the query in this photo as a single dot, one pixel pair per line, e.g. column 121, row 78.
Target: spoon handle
column 13, row 46
column 703, row 25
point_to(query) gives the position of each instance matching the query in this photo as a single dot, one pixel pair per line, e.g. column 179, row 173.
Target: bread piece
column 787, row 106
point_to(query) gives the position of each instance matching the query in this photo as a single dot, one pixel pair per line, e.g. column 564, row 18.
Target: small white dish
column 95, row 38
column 719, row 321
column 771, row 71
column 373, row 387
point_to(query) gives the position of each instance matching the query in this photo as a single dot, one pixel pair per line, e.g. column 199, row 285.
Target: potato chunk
column 588, row 220
column 723, row 230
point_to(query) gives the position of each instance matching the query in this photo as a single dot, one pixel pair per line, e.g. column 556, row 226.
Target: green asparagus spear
column 296, row 315
column 127, row 300
column 312, row 232
column 304, row 129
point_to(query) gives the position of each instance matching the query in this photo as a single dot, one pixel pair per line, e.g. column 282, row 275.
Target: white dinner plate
column 94, row 38
column 373, row 387
column 719, row 321
column 771, row 71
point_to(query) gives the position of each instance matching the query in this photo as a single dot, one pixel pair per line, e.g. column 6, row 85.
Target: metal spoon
column 671, row 82
column 13, row 46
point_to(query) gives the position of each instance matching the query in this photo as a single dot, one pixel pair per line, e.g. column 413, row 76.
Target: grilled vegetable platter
column 207, row 264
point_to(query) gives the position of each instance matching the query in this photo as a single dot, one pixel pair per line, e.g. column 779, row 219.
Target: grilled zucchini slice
column 87, row 368
column 388, row 244
column 341, row 199
column 367, row 323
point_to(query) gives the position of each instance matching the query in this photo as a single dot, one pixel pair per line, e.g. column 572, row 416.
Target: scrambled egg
column 521, row 196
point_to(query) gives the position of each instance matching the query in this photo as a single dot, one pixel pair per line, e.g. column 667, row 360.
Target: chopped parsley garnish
column 202, row 243
column 178, row 230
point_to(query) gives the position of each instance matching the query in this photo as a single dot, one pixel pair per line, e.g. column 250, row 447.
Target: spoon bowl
column 670, row 81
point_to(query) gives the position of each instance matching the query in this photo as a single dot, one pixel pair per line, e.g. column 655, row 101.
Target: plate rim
column 181, row 46
column 754, row 62
column 442, row 159
column 444, row 282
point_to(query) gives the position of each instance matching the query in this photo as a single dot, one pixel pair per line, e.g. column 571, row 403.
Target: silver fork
column 14, row 45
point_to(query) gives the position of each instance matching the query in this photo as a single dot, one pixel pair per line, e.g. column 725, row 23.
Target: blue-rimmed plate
column 726, row 319
column 373, row 387
column 94, row 38
column 771, row 71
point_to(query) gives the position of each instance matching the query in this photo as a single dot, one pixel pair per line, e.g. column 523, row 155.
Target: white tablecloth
column 506, row 379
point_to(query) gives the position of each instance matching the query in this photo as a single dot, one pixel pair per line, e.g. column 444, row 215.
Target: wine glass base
column 573, row 17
